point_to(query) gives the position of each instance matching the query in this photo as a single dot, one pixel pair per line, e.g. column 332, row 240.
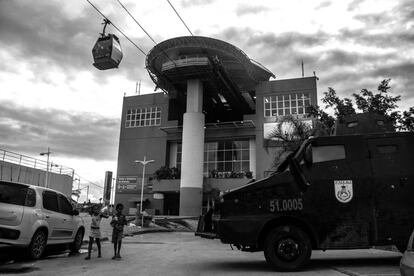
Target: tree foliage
column 380, row 102
column 287, row 136
column 366, row 101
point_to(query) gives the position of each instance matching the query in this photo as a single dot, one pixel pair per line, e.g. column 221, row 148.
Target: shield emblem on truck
column 343, row 190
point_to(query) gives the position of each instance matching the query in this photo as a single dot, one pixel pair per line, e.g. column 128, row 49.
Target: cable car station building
column 207, row 132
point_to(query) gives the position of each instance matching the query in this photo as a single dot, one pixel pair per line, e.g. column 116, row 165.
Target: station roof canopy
column 229, row 76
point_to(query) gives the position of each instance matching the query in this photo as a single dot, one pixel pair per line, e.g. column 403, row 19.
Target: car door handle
column 47, row 216
column 64, row 219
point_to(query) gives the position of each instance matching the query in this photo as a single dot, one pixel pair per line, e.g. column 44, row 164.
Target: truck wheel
column 287, row 248
column 37, row 245
column 77, row 243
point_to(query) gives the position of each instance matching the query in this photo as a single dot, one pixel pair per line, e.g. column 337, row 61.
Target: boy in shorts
column 118, row 222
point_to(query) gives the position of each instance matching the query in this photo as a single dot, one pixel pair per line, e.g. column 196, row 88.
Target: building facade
column 234, row 151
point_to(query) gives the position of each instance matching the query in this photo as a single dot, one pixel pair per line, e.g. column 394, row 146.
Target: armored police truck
column 335, row 192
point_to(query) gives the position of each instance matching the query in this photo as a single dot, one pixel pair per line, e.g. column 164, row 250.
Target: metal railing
column 27, row 161
column 189, row 61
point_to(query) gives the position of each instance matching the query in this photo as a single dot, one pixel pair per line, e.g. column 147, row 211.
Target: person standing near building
column 118, row 222
column 95, row 233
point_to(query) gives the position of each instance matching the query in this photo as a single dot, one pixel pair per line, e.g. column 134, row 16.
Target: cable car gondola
column 107, row 52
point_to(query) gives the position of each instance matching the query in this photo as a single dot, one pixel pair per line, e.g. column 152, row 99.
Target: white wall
column 22, row 174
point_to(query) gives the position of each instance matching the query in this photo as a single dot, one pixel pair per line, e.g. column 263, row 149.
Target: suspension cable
column 136, row 22
column 117, row 28
column 179, row 17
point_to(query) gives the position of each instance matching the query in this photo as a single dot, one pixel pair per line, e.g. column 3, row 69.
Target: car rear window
column 17, row 194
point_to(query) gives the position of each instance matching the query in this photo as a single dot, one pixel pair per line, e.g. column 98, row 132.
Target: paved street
column 181, row 253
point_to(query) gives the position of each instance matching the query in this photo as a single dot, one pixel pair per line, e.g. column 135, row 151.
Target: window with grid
column 223, row 156
column 142, row 117
column 283, row 105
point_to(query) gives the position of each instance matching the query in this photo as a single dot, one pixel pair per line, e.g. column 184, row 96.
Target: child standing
column 95, row 230
column 118, row 222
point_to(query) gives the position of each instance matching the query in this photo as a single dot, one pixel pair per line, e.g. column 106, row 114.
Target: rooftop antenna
column 314, row 74
column 303, row 70
column 138, row 88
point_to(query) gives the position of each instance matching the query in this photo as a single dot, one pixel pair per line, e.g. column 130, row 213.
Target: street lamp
column 47, row 166
column 144, row 163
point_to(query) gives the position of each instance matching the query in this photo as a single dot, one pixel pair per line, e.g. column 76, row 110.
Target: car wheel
column 37, row 245
column 401, row 246
column 287, row 248
column 77, row 243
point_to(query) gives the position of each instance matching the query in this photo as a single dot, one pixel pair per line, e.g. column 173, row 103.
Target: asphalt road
column 181, row 253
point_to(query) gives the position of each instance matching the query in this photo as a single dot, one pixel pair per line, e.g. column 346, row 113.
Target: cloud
column 374, row 19
column 355, row 5
column 324, row 4
column 402, row 75
column 191, row 3
column 83, row 135
column 53, row 40
column 396, row 41
column 250, row 9
column 346, row 69
column 404, row 12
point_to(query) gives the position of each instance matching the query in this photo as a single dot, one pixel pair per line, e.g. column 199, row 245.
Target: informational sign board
column 128, row 184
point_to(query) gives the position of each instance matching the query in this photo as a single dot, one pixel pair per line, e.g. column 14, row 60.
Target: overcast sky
column 52, row 96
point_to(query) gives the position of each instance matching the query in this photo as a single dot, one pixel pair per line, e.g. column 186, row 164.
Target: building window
column 228, row 157
column 142, row 117
column 283, row 105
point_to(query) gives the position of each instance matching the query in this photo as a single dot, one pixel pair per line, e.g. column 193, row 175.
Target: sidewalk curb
column 147, row 231
column 138, row 232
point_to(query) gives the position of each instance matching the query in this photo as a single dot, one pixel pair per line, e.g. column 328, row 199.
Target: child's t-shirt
column 119, row 222
column 96, row 220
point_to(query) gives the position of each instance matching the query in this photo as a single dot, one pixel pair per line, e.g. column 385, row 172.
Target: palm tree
column 289, row 134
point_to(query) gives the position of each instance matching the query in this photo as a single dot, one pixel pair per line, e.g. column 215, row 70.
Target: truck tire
column 287, row 248
column 37, row 245
column 77, row 242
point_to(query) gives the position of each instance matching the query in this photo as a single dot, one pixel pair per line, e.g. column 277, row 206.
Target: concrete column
column 252, row 154
column 191, row 185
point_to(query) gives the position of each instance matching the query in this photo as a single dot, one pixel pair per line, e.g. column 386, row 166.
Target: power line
column 179, row 17
column 117, row 28
column 145, row 31
column 136, row 21
column 90, row 182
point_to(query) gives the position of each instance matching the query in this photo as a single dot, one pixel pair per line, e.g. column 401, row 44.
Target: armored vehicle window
column 352, row 124
column 385, row 149
column 328, row 153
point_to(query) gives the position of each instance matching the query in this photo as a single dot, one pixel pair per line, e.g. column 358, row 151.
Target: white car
column 407, row 260
column 34, row 217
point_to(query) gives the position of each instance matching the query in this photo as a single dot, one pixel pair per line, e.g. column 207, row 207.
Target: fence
column 27, row 161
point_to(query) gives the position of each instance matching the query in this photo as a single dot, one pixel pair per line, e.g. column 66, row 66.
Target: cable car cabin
column 107, row 52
